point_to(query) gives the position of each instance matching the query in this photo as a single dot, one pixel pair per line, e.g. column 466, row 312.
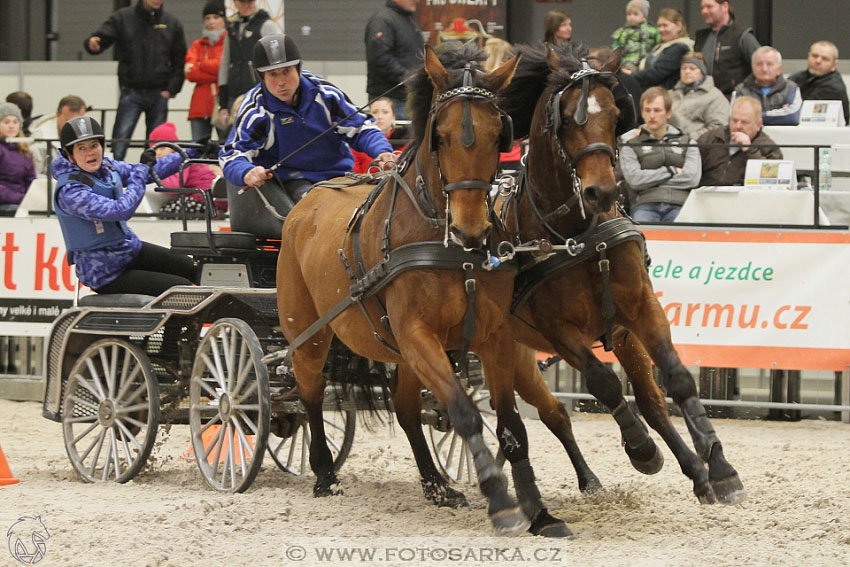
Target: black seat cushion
column 196, row 240
column 116, row 300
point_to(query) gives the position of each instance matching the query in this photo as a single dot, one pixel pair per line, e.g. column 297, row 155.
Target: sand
column 797, row 513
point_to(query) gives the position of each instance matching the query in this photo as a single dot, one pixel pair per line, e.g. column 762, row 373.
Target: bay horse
column 337, row 272
column 565, row 306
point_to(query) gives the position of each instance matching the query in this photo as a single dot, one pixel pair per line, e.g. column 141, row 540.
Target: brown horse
column 440, row 195
column 566, row 310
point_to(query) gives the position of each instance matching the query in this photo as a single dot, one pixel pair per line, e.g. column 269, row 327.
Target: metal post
column 845, row 393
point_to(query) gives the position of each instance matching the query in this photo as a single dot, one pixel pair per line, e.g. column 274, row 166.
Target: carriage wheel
column 110, row 414
column 453, row 456
column 229, row 406
column 291, row 452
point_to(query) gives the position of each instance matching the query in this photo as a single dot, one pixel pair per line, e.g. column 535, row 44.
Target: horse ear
column 500, row 77
column 552, row 59
column 612, row 65
column 439, row 75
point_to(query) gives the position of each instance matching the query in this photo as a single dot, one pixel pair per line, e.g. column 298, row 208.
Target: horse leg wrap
column 634, row 432
column 488, row 472
column 526, row 489
column 699, row 427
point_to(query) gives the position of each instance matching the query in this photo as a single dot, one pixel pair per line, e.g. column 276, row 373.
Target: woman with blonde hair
column 661, row 67
column 17, row 169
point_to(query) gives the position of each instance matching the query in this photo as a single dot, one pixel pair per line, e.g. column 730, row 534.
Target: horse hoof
column 509, row 522
column 443, row 495
column 327, row 489
column 729, row 490
column 590, row 485
column 704, row 493
column 546, row 525
column 647, row 466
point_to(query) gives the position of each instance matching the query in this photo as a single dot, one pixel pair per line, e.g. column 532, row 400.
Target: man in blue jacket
column 285, row 110
column 151, row 50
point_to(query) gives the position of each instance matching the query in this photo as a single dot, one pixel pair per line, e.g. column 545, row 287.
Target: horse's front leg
column 654, row 332
column 308, row 362
column 638, row 366
column 407, row 399
column 531, row 387
column 605, row 386
column 422, row 349
column 513, row 438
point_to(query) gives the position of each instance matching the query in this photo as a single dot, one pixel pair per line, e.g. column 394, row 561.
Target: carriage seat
column 116, row 300
column 221, row 240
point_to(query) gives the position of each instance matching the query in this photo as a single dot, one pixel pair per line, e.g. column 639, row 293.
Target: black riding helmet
column 274, row 52
column 78, row 129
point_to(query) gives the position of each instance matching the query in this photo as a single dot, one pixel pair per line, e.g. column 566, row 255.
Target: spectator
column 698, row 106
column 202, row 62
column 661, row 66
column 49, row 128
column 727, row 48
column 195, row 176
column 821, row 80
column 638, row 36
column 235, row 74
column 93, row 210
column 394, row 47
column 557, row 27
column 288, row 108
column 659, row 165
column 151, row 50
column 16, row 168
column 726, row 165
column 381, row 110
column 780, row 99
column 24, row 102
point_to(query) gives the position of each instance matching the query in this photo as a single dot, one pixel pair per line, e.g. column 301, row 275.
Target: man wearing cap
column 151, row 49
column 282, row 115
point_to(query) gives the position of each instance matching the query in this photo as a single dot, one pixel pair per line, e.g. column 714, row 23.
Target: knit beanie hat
column 11, row 109
column 642, row 5
column 697, row 61
column 215, row 7
column 164, row 132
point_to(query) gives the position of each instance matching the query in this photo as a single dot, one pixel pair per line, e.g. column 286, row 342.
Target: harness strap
column 612, row 233
column 608, row 307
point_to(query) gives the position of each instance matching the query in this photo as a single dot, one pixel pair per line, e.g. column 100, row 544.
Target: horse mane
column 533, row 76
column 453, row 55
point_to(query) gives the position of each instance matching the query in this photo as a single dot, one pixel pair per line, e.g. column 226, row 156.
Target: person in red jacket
column 202, row 62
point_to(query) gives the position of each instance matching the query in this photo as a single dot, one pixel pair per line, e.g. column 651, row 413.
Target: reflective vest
column 83, row 234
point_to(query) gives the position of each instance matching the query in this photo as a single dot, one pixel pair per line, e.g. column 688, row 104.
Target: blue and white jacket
column 267, row 130
column 99, row 266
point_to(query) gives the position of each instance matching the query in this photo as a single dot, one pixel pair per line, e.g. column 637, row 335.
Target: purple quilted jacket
column 16, row 173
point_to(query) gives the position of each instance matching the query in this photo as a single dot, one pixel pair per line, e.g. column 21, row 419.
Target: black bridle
column 553, row 127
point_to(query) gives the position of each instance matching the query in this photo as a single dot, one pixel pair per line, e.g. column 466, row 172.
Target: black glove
column 209, row 148
column 148, row 157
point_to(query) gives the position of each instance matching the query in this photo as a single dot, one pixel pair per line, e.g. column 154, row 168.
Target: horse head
column 580, row 117
column 462, row 137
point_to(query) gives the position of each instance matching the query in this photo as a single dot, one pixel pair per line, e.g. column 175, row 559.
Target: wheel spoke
column 92, row 445
column 84, row 433
column 128, row 435
column 82, row 419
column 246, row 407
column 106, row 460
column 85, row 403
column 85, row 384
column 129, row 409
column 135, row 421
column 219, row 365
column 214, row 368
column 216, row 443
column 229, row 347
column 143, row 387
column 114, row 447
column 251, row 425
column 127, row 381
column 248, row 450
column 250, row 391
column 94, row 377
column 125, row 445
column 208, row 389
column 210, row 423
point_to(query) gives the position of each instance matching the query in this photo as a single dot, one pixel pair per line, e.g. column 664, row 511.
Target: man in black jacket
column 727, row 48
column 394, row 47
column 151, row 49
column 821, row 80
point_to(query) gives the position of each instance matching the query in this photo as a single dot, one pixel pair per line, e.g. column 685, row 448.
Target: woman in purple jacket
column 93, row 210
column 16, row 167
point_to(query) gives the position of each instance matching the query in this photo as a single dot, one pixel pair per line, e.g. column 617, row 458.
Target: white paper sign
column 770, row 174
column 822, row 113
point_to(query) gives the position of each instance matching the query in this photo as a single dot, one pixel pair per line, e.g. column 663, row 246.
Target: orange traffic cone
column 5, row 474
column 208, row 437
